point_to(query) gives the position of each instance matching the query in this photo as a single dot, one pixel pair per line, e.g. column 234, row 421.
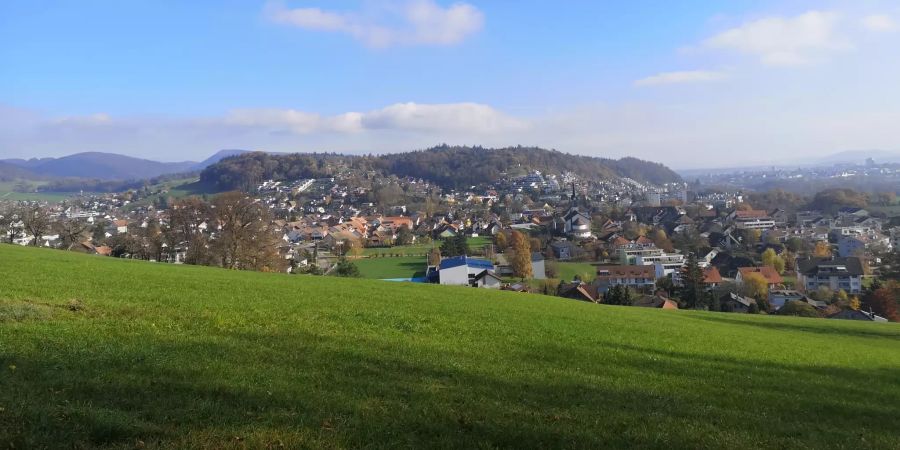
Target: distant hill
column 450, row 167
column 218, row 156
column 106, row 166
column 9, row 172
column 859, row 157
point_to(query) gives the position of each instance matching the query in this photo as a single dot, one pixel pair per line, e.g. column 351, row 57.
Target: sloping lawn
column 103, row 353
column 388, row 267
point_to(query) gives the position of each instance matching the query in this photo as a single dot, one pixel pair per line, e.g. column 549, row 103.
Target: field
column 475, row 244
column 568, row 270
column 417, row 249
column 385, row 268
column 8, row 191
column 99, row 352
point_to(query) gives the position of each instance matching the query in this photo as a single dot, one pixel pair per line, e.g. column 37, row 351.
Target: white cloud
column 402, row 117
column 785, row 40
column 690, row 76
column 462, row 117
column 415, row 22
column 88, row 120
column 879, row 23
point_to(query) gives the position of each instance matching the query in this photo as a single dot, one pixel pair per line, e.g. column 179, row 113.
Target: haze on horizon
column 698, row 84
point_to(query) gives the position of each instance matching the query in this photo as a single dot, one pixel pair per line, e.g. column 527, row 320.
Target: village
column 617, row 241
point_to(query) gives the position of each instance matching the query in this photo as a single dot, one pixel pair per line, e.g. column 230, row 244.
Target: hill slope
column 450, row 167
column 104, row 166
column 10, row 172
column 176, row 356
column 216, row 157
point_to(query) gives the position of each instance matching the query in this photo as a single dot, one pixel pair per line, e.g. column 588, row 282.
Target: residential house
column 711, row 277
column 773, row 279
column 579, row 290
column 857, row 245
column 657, row 301
column 736, row 303
column 564, row 250
column 465, row 271
column 538, row 267
column 642, row 278
column 121, row 226
column 833, row 273
column 779, row 297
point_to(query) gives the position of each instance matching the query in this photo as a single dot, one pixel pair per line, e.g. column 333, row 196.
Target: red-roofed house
column 773, row 279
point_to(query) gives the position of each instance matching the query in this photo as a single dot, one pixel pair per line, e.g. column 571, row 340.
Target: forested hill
column 450, row 167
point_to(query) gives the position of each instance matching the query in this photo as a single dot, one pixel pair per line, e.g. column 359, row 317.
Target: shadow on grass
column 301, row 389
column 876, row 330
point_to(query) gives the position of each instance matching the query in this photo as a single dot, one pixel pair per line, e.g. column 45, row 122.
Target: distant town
column 712, row 243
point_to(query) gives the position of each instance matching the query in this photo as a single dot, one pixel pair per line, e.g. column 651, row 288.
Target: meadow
column 9, row 190
column 104, row 353
column 566, row 271
column 388, row 267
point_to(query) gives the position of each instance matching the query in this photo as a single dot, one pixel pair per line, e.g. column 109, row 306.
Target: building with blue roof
column 465, row 271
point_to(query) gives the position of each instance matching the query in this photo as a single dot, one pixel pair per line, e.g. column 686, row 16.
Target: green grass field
column 387, row 267
column 417, row 249
column 103, row 353
column 566, row 271
column 476, row 244
column 8, row 191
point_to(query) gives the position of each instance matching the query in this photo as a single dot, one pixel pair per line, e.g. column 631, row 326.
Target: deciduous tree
column 822, row 250
column 755, row 285
column 521, row 255
column 36, row 221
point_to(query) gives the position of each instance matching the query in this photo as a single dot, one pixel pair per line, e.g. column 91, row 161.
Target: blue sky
column 700, row 83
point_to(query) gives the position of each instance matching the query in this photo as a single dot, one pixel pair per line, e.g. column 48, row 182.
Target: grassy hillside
column 98, row 352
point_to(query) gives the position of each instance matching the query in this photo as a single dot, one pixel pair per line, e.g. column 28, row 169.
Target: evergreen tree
column 693, row 292
column 345, row 268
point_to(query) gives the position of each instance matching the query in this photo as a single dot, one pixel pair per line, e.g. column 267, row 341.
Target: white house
column 465, row 271
column 538, row 268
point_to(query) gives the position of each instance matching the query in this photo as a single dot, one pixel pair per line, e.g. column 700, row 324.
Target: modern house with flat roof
column 465, row 271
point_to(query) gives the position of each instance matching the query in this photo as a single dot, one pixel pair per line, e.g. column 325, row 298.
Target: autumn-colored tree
column 841, row 296
column 790, row 260
column 771, row 259
column 883, row 301
column 751, row 237
column 822, row 250
column 854, row 303
column 768, row 257
column 535, row 244
column 521, row 255
column 659, row 237
column 434, row 257
column 755, row 285
column 355, row 247
column 500, row 240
